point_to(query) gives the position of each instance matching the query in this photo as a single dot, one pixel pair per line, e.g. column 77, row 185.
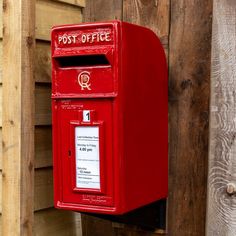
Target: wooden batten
column 221, row 204
column 1, row 19
column 0, row 60
column 18, row 117
column 0, row 105
column 50, row 13
column 0, row 149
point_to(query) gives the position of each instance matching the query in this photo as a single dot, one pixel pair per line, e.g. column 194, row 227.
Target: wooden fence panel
column 221, row 214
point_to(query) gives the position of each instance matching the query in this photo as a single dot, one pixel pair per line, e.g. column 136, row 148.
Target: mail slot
column 110, row 117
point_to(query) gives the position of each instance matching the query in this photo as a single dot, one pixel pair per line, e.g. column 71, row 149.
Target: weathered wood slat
column 43, row 146
column 0, row 194
column 0, row 59
column 152, row 14
column 80, row 3
column 102, row 10
column 55, row 222
column 1, row 18
column 50, row 13
column 0, row 149
column 43, row 62
column 18, row 114
column 43, row 190
column 1, row 105
column 221, row 213
column 189, row 76
column 42, row 105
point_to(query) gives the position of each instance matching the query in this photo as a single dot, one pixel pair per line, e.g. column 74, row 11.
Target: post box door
column 87, row 163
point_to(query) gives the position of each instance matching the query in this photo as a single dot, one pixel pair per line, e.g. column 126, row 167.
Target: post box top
column 90, row 34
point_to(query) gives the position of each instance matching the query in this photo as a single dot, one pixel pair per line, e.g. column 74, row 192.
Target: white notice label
column 87, row 157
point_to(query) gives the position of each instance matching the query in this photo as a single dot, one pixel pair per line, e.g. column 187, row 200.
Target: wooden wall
column 46, row 220
column 184, row 28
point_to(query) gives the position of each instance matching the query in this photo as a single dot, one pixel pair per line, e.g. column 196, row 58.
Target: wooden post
column 189, row 79
column 221, row 208
column 18, row 117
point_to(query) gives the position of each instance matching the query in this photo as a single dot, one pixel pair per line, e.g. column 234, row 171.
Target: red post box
column 110, row 117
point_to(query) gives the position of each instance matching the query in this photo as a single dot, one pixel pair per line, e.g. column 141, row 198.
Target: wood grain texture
column 95, row 226
column 221, row 214
column 1, row 19
column 43, row 146
column 43, row 189
column 43, row 104
column 149, row 13
column 102, row 10
column 80, row 3
column 50, row 13
column 55, row 222
column 0, row 194
column 0, row 149
column 189, row 76
column 43, row 62
column 18, row 114
column 0, row 60
column 1, row 105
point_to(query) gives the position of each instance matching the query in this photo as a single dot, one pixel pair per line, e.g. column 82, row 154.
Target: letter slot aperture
column 110, row 117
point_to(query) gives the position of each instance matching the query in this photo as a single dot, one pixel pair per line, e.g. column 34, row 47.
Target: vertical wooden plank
column 100, row 10
column 221, row 212
column 189, row 76
column 18, row 114
column 152, row 14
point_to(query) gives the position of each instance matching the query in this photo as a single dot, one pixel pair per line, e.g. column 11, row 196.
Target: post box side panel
column 145, row 123
column 69, row 138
